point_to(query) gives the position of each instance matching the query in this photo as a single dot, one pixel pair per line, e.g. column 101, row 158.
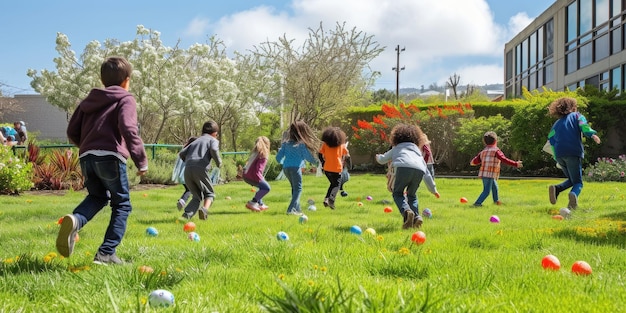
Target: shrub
column 469, row 136
column 15, row 173
column 607, row 169
column 56, row 170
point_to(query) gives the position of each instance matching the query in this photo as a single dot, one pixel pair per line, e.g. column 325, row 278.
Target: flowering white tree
column 176, row 90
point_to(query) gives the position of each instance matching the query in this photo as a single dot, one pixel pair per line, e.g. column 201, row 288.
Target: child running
column 292, row 154
column 332, row 155
column 178, row 176
column 566, row 141
column 410, row 169
column 253, row 173
column 197, row 157
column 489, row 159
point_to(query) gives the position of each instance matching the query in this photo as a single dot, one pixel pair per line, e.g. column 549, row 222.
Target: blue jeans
column 408, row 179
column 294, row 175
column 264, row 188
column 106, row 180
column 573, row 170
column 489, row 185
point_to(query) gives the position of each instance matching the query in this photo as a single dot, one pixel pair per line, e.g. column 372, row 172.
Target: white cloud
column 198, row 27
column 517, row 23
column 437, row 34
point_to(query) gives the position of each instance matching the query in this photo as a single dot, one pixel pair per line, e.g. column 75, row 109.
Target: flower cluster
column 607, row 169
column 15, row 174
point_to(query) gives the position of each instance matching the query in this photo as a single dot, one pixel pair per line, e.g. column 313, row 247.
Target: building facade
column 42, row 119
column 572, row 44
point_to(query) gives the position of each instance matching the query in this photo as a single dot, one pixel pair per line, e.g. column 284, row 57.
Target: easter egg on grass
column 161, row 298
column 193, row 236
column 369, row 198
column 310, row 201
column 581, row 268
column 189, row 227
column 550, row 262
column 312, row 208
column 151, row 231
column 418, row 237
column 565, row 212
column 557, row 217
column 388, row 209
column 145, row 269
column 494, row 219
column 356, row 230
column 370, row 231
column 303, row 219
column 463, row 200
column 282, row 236
column 427, row 213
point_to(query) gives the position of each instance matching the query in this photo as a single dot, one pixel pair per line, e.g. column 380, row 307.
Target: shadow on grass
column 613, row 237
column 618, row 216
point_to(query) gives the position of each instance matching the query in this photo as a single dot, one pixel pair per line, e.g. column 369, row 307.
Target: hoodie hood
column 99, row 99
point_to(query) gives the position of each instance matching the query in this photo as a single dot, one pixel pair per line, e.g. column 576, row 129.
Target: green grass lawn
column 467, row 264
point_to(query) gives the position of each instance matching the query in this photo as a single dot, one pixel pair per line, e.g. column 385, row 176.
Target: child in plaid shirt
column 489, row 159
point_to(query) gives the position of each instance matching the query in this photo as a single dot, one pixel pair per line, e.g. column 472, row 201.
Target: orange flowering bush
column 439, row 123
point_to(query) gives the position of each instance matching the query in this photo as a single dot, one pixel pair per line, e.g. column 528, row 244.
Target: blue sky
column 441, row 37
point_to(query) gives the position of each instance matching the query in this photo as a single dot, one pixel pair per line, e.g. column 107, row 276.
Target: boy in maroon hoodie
column 104, row 128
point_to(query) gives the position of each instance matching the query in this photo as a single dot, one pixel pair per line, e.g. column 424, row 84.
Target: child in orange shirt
column 332, row 154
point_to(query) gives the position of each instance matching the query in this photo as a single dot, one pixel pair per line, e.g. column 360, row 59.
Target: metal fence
column 152, row 148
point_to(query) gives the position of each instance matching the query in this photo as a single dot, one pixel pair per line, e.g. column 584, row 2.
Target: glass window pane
column 549, row 38
column 572, row 87
column 525, row 55
column 572, row 62
column 586, row 19
column 616, row 78
column 585, row 55
column 572, row 22
column 602, row 11
column 602, row 47
column 540, row 78
column 533, row 49
column 518, row 59
column 616, row 45
column 532, row 81
column 540, row 51
column 509, row 65
column 548, row 75
column 617, row 8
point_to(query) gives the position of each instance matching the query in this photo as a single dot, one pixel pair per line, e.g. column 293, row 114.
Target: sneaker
column 106, row 259
column 408, row 216
column 417, row 221
column 573, row 201
column 203, row 213
column 67, row 235
column 344, row 194
column 477, row 205
column 553, row 194
column 498, row 202
column 263, row 207
column 326, row 203
column 298, row 213
column 180, row 204
column 253, row 206
column 331, row 204
column 187, row 215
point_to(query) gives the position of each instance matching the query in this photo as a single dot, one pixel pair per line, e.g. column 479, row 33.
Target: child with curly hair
column 489, row 160
column 566, row 140
column 332, row 155
column 410, row 169
column 253, row 173
column 298, row 147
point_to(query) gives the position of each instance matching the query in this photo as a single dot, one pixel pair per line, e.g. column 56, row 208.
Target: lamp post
column 397, row 68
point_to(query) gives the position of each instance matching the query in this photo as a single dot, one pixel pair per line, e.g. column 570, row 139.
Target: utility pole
column 397, row 68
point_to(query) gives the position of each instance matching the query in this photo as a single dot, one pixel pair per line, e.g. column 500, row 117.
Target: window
column 572, row 62
column 586, row 19
column 585, row 55
column 616, row 40
column 549, row 39
column 602, row 12
column 548, row 76
column 509, row 65
column 533, row 49
column 601, row 47
column 616, row 78
column 572, row 18
column 525, row 55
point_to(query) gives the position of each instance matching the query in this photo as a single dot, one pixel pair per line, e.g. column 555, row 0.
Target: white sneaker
column 181, row 204
column 253, row 206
